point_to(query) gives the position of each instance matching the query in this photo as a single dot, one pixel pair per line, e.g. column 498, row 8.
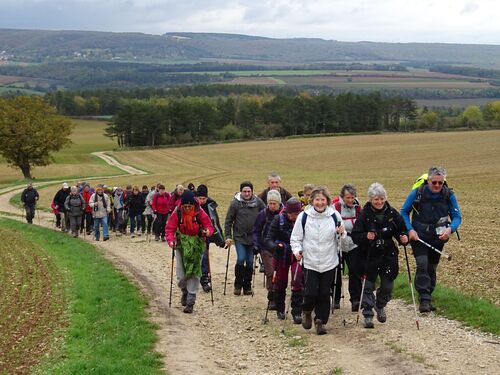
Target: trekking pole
column 342, row 297
column 254, row 267
column 365, row 276
column 290, row 302
column 171, row 276
column 210, row 276
column 265, row 320
column 227, row 267
column 334, row 288
column 448, row 257
column 411, row 288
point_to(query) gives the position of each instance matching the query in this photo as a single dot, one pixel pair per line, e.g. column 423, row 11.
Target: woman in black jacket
column 373, row 232
column 135, row 208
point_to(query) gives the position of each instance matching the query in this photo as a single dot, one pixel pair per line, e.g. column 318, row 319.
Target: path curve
column 229, row 337
column 115, row 163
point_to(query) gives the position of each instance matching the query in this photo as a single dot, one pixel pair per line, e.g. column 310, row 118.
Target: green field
column 74, row 161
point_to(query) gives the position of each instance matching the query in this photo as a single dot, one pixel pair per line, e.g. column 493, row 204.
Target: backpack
column 304, row 219
column 179, row 217
column 338, row 206
column 420, row 184
column 103, row 201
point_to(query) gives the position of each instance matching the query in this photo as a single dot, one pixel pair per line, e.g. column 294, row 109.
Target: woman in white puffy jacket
column 315, row 238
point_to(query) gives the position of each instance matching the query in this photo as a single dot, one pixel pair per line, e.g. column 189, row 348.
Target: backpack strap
column 304, row 219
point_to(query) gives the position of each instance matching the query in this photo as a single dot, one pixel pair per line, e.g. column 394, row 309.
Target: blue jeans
column 135, row 220
column 244, row 254
column 97, row 223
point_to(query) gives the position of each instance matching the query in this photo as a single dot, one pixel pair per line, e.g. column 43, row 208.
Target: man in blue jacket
column 431, row 204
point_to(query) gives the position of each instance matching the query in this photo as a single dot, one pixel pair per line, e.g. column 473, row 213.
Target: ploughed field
column 396, row 160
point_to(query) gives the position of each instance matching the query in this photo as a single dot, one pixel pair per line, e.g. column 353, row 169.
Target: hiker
column 74, row 207
column 186, row 231
column 315, row 240
column 127, row 195
column 29, row 198
column 238, row 228
column 175, row 198
column 87, row 215
column 136, row 206
column 110, row 192
column 99, row 201
column 59, row 200
column 349, row 208
column 274, row 183
column 208, row 205
column 160, row 205
column 260, row 232
column 431, row 205
column 278, row 241
column 305, row 194
column 378, row 223
column 120, row 210
column 147, row 212
column 192, row 188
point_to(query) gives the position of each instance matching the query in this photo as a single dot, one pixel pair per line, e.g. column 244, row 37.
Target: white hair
column 273, row 175
column 436, row 171
column 376, row 190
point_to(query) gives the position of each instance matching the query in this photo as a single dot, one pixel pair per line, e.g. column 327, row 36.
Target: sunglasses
column 437, row 183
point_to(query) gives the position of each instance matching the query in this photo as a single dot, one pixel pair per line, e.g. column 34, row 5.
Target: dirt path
column 229, row 337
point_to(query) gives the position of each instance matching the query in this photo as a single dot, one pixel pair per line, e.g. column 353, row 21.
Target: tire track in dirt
column 229, row 337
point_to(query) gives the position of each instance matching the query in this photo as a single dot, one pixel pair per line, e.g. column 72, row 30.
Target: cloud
column 469, row 7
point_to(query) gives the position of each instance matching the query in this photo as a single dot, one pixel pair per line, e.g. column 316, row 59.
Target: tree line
column 163, row 121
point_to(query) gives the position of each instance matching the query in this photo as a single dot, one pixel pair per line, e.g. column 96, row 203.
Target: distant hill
column 49, row 46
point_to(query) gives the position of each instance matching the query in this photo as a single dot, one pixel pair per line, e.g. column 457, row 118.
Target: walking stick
column 411, row 288
column 265, row 320
column 448, row 257
column 365, row 276
column 290, row 302
column 171, row 276
column 254, row 267
column 334, row 288
column 227, row 267
column 210, row 276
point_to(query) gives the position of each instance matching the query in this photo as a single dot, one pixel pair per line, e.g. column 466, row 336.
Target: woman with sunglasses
column 431, row 205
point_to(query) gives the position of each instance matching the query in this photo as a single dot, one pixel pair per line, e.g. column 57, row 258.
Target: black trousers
column 149, row 219
column 350, row 259
column 160, row 222
column 317, row 293
column 87, row 222
column 427, row 262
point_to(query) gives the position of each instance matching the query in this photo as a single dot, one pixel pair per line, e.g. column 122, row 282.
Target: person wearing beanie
column 260, row 231
column 59, row 200
column 315, row 239
column 277, row 242
column 208, row 205
column 186, row 232
column 274, row 183
column 238, row 228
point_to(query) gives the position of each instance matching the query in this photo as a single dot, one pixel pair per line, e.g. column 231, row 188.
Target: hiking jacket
column 173, row 202
column 29, row 197
column 60, row 198
column 349, row 216
column 261, row 227
column 136, row 204
column 86, row 197
column 100, row 204
column 318, row 240
column 148, row 210
column 285, row 195
column 202, row 221
column 74, row 205
column 280, row 231
column 161, row 203
column 118, row 200
column 210, row 208
column 240, row 218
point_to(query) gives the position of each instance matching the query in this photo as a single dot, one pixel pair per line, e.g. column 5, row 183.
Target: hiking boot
column 188, row 309
column 272, row 305
column 381, row 316
column 105, row 238
column 184, row 298
column 206, row 287
column 336, row 305
column 297, row 319
column 355, row 306
column 248, row 292
column 369, row 322
column 306, row 319
column 425, row 306
column 320, row 328
column 281, row 315
column 237, row 291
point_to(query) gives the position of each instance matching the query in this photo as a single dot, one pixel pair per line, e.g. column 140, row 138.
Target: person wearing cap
column 314, row 239
column 100, row 203
column 210, row 207
column 274, row 183
column 277, row 242
column 186, row 231
column 260, row 231
column 29, row 198
column 59, row 200
column 238, row 228
column 75, row 207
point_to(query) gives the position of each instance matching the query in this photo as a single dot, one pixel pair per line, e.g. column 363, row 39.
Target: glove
column 256, row 250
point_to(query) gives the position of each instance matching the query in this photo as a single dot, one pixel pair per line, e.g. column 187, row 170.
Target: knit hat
column 202, row 191
column 273, row 196
column 293, row 205
column 245, row 184
column 188, row 197
column 65, row 185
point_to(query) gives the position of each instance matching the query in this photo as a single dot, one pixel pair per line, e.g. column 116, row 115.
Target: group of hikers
column 312, row 237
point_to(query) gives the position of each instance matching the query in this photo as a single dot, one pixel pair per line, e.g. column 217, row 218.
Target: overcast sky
column 450, row 21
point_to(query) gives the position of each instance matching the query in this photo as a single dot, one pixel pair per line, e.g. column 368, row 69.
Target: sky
column 447, row 21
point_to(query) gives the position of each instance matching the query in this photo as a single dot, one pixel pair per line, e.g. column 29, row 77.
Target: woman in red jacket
column 186, row 230
column 160, row 205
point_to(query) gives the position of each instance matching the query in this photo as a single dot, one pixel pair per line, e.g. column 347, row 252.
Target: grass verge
column 107, row 330
column 471, row 311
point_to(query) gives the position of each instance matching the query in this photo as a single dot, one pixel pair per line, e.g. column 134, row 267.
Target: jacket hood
column 313, row 213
